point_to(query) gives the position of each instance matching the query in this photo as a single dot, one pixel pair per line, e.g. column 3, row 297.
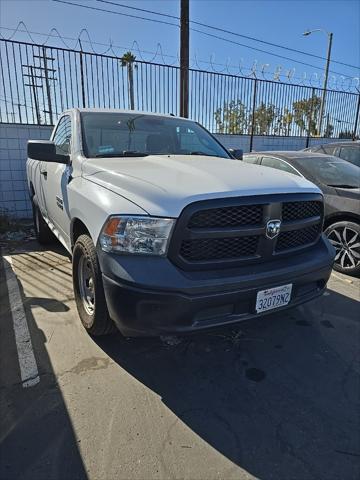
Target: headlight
column 136, row 235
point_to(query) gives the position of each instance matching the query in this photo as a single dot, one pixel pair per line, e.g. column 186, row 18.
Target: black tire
column 345, row 237
column 42, row 231
column 88, row 290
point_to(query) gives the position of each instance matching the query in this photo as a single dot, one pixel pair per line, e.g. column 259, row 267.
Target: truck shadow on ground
column 277, row 396
column 37, row 440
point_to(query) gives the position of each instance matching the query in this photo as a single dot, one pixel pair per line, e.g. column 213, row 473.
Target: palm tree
column 127, row 60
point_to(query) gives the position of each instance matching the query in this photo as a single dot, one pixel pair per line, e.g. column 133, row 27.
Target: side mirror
column 236, row 153
column 45, row 151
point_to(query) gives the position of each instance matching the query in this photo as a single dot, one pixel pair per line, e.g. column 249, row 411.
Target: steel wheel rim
column 346, row 242
column 86, row 284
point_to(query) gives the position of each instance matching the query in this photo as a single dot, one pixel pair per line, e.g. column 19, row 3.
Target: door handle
column 44, row 172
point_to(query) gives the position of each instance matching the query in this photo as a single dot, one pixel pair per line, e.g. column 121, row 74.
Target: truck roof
column 119, row 110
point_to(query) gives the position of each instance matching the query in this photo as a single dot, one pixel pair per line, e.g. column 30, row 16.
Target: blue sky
column 279, row 22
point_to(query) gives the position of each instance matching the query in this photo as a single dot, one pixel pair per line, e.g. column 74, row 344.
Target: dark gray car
column 349, row 151
column 340, row 183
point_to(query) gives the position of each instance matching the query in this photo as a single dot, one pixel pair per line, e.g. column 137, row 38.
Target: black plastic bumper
column 150, row 296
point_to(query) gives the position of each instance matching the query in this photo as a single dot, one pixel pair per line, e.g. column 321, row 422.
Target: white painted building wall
column 262, row 143
column 14, row 199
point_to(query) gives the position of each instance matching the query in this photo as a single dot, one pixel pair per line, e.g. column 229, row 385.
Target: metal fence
column 38, row 82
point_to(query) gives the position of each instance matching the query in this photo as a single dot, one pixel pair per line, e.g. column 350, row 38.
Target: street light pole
column 326, row 76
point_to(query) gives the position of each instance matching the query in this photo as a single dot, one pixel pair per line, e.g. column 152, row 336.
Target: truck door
column 55, row 179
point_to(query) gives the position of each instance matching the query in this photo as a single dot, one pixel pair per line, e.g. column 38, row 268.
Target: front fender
column 93, row 204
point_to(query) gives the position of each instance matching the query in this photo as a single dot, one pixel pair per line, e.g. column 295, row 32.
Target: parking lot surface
column 274, row 398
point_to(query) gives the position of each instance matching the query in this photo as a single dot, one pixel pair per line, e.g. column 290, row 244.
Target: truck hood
column 163, row 185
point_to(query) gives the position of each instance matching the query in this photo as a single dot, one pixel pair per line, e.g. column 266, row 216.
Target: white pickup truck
column 168, row 232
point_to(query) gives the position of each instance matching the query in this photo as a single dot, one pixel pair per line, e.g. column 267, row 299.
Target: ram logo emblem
column 273, row 228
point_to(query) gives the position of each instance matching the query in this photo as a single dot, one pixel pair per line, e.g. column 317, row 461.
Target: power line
column 260, row 50
column 275, row 45
column 140, row 9
column 229, row 32
column 198, row 31
column 116, row 13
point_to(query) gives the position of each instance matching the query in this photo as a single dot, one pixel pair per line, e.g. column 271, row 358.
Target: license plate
column 273, row 298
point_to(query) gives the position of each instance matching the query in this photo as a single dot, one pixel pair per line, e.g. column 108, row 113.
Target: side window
column 62, row 137
column 336, row 151
column 278, row 164
column 318, row 149
column 329, row 149
column 351, row 154
column 251, row 159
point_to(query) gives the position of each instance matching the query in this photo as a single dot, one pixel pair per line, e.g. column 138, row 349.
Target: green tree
column 263, row 118
column 286, row 119
column 282, row 122
column 306, row 113
column 232, row 118
column 127, row 60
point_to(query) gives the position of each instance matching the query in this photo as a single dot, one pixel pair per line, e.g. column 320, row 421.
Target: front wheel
column 88, row 288
column 345, row 237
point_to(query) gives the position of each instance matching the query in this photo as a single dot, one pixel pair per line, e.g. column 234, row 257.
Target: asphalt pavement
column 277, row 397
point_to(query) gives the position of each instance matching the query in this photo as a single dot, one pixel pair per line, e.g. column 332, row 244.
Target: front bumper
column 151, row 296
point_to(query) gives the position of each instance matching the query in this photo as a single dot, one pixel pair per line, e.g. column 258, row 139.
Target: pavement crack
column 353, row 454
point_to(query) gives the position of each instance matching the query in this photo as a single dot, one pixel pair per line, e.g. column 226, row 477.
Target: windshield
column 332, row 171
column 136, row 134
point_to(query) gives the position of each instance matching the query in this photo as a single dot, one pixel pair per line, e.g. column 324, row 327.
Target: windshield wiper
column 342, row 185
column 124, row 153
column 202, row 153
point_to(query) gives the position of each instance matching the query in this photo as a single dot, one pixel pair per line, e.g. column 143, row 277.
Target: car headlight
column 136, row 235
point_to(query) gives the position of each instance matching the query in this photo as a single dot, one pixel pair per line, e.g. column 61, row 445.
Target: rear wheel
column 88, row 288
column 345, row 237
column 42, row 231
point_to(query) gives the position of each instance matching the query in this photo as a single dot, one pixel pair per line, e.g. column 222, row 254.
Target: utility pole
column 33, row 85
column 46, row 77
column 41, row 72
column 184, row 58
column 130, row 72
column 323, row 96
column 326, row 76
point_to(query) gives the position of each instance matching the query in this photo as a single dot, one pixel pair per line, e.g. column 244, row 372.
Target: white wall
column 14, row 199
column 261, row 143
